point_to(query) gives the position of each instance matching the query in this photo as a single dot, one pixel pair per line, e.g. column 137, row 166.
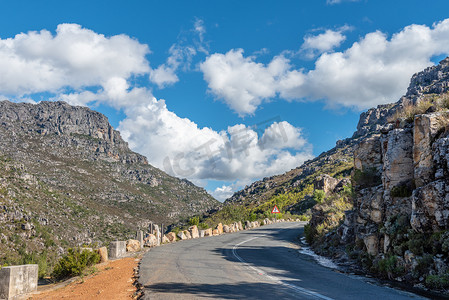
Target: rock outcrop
column 401, row 183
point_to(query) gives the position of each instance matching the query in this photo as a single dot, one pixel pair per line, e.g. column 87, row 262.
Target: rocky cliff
column 68, row 178
column 380, row 199
column 398, row 227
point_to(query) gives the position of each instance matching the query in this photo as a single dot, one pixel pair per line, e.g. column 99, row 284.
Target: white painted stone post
column 18, row 280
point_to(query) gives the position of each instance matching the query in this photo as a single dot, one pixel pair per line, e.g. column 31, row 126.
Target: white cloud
column 324, row 42
column 374, row 70
column 77, row 57
column 179, row 147
column 222, row 193
column 241, row 82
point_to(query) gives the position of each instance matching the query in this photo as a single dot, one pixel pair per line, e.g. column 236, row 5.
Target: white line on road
column 273, row 278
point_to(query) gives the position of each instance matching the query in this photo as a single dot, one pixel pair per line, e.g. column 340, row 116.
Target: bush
column 203, row 226
column 39, row 259
column 318, row 196
column 194, row 221
column 389, row 267
column 74, row 263
column 309, row 233
column 437, row 281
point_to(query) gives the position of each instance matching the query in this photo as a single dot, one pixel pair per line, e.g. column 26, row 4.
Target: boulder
column 202, row 233
column 226, row 229
column 220, row 228
column 247, row 225
column 208, row 232
column 187, row 234
column 171, row 237
column 103, row 251
column 215, row 232
column 182, row 235
column 194, row 232
column 326, row 183
column 240, row 225
column 165, row 239
column 151, row 241
column 237, row 227
column 132, row 246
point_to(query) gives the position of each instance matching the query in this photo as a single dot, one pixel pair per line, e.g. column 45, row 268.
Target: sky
column 222, row 93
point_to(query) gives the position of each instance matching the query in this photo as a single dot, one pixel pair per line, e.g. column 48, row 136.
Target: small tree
column 318, row 196
column 194, row 221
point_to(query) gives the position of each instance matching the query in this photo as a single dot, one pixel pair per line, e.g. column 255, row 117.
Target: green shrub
column 194, row 221
column 389, row 267
column 437, row 281
column 416, row 242
column 203, row 226
column 252, row 217
column 423, row 265
column 309, row 233
column 74, row 263
column 319, row 196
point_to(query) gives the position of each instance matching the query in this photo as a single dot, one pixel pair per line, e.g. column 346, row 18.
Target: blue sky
column 221, row 92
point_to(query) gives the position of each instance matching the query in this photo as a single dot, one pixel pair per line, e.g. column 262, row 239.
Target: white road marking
column 273, row 278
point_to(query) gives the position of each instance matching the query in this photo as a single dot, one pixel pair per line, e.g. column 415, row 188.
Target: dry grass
column 409, row 111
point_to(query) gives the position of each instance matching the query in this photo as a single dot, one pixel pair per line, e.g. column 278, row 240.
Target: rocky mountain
column 68, row 178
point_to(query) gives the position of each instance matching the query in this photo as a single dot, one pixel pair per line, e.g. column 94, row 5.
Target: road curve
column 261, row 263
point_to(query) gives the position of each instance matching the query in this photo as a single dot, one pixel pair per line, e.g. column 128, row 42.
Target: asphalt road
column 261, row 263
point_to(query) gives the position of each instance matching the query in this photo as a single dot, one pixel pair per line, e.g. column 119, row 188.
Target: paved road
column 261, row 263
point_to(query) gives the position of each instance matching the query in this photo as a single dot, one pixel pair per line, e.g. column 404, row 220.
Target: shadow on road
column 222, row 291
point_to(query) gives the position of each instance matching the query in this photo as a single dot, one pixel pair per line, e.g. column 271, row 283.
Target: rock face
column 401, row 180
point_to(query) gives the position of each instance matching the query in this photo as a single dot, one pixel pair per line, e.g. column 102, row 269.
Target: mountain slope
column 67, row 172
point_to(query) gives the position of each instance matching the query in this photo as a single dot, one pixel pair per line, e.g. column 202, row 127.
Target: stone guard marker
column 18, row 280
column 139, row 237
column 117, row 249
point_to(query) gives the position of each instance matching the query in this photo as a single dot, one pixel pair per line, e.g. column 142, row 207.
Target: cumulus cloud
column 222, row 193
column 374, row 70
column 178, row 146
column 76, row 57
column 324, row 42
column 241, row 82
